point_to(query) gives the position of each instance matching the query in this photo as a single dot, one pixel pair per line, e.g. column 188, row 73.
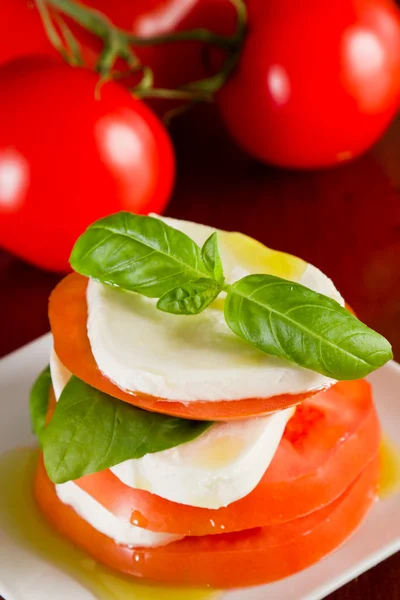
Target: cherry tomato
column 68, row 320
column 227, row 560
column 71, row 152
column 326, row 445
column 317, row 82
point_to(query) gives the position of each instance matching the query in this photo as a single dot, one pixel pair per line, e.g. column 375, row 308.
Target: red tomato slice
column 228, row 560
column 68, row 318
column 326, row 445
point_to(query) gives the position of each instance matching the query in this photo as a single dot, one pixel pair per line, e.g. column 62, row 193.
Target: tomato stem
column 90, row 18
column 119, row 43
column 71, row 41
column 178, row 94
column 52, row 33
column 147, row 81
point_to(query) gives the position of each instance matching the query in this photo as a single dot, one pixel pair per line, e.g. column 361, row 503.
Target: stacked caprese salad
column 204, row 420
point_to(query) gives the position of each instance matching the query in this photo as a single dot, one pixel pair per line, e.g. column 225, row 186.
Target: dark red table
column 345, row 221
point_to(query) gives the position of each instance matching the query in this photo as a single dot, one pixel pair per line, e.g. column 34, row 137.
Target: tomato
column 317, row 83
column 68, row 320
column 71, row 152
column 326, row 445
column 250, row 557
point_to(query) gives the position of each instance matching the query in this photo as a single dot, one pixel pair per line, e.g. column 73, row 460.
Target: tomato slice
column 326, row 445
column 227, row 560
column 68, row 318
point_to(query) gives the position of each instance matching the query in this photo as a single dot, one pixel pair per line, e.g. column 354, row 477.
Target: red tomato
column 71, row 153
column 68, row 320
column 317, row 82
column 249, row 557
column 326, row 445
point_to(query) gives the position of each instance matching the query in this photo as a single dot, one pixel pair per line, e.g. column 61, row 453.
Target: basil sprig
column 280, row 317
column 91, row 431
column 38, row 402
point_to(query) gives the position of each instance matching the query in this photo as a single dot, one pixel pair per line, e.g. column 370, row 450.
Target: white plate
column 26, row 576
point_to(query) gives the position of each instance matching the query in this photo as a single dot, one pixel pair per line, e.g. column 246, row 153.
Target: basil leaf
column 293, row 322
column 39, row 402
column 211, row 257
column 91, row 431
column 138, row 253
column 191, row 298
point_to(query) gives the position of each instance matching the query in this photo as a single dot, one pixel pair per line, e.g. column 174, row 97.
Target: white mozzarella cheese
column 193, row 358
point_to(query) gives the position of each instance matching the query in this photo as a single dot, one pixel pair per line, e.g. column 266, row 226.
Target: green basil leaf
column 138, row 253
column 191, row 298
column 91, row 431
column 212, row 258
column 293, row 322
column 39, row 402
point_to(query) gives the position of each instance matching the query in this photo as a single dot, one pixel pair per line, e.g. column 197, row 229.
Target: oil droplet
column 390, row 468
column 139, row 520
column 22, row 522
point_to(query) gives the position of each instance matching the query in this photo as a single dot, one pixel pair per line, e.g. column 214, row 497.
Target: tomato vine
column 120, row 44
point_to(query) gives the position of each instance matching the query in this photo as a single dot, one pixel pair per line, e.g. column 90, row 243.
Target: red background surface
column 346, row 221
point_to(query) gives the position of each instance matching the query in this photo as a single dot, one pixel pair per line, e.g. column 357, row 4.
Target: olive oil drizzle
column 390, row 468
column 22, row 521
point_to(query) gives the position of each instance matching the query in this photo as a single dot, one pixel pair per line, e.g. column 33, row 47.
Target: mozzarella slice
column 104, row 521
column 219, row 467
column 192, row 358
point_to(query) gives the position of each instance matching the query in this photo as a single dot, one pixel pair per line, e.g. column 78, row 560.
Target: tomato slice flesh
column 68, row 318
column 328, row 442
column 245, row 558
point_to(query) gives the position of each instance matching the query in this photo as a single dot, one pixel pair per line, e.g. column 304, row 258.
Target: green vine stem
column 120, row 44
column 52, row 32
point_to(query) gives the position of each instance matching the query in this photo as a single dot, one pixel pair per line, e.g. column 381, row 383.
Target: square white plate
column 25, row 576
